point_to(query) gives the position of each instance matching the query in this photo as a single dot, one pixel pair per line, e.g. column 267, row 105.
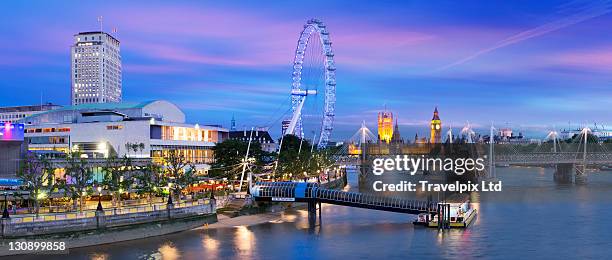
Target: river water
column 532, row 218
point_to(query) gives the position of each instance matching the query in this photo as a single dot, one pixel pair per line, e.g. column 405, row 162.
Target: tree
column 135, row 147
column 37, row 173
column 579, row 138
column 116, row 176
column 76, row 178
column 294, row 157
column 150, row 179
column 230, row 153
column 179, row 171
column 186, row 178
column 298, row 160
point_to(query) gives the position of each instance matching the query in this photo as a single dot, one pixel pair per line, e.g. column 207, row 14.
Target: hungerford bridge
column 313, row 194
column 568, row 157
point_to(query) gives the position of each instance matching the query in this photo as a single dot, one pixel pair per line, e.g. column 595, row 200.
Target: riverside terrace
column 99, row 226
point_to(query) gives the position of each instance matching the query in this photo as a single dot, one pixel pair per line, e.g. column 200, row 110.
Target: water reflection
column 211, row 245
column 532, row 213
column 244, row 241
column 99, row 256
column 169, row 252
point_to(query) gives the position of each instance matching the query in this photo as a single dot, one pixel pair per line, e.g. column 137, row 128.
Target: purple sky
column 531, row 65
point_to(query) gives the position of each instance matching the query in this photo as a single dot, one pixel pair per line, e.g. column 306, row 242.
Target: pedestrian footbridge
column 313, row 193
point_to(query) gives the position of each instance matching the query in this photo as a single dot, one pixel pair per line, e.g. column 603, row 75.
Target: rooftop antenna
column 100, row 21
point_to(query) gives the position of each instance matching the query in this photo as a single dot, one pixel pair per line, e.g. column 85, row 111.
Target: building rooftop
column 96, row 32
column 43, row 107
column 104, row 106
column 154, row 108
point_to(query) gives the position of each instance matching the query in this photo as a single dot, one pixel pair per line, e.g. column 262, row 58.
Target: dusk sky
column 526, row 64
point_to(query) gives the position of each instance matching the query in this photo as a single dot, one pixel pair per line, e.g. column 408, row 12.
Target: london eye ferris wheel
column 313, row 89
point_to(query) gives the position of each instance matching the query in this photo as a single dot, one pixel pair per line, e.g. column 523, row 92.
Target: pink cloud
column 153, row 69
column 600, row 59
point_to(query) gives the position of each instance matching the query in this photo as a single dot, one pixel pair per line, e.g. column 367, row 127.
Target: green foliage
column 229, row 155
column 150, row 179
column 37, row 174
column 77, row 176
column 301, row 162
column 179, row 171
column 579, row 138
column 117, row 175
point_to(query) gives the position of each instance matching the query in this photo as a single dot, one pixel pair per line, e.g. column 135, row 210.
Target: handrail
column 281, row 190
column 109, row 212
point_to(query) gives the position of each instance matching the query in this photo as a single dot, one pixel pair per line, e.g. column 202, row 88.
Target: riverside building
column 139, row 130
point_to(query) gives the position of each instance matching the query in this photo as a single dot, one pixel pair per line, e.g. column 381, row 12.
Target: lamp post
column 99, row 208
column 15, row 195
column 170, row 193
column 5, row 213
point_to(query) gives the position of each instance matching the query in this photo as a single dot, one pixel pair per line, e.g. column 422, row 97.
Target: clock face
column 432, row 127
column 437, row 127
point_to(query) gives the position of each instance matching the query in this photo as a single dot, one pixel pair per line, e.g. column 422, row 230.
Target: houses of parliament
column 388, row 132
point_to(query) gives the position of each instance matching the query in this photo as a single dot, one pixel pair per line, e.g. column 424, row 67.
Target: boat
column 606, row 168
column 461, row 213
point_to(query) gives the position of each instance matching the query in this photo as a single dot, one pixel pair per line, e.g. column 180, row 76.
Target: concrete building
column 16, row 113
column 139, row 130
column 95, row 68
column 12, row 149
column 260, row 136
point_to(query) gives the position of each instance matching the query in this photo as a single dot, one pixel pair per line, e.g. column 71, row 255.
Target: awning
column 10, row 182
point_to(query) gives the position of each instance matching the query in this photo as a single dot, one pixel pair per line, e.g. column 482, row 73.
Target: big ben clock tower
column 436, row 128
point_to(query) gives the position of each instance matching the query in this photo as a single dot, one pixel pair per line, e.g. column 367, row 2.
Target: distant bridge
column 553, row 158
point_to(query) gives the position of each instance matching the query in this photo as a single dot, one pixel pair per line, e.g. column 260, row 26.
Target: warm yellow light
column 41, row 195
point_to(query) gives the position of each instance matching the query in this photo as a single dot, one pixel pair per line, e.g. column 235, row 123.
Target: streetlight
column 99, row 208
column 5, row 213
column 170, row 193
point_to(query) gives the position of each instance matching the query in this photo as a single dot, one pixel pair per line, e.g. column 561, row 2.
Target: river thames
column 532, row 218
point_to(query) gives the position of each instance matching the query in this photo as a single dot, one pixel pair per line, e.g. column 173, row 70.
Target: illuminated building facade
column 138, row 130
column 385, row 126
column 436, row 128
column 12, row 149
column 95, row 68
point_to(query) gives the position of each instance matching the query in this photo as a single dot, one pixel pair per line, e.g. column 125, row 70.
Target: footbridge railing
column 311, row 192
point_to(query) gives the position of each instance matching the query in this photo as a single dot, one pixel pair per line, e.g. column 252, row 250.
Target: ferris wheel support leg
column 296, row 115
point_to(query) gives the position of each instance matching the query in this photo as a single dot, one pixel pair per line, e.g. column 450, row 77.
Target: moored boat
column 461, row 213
